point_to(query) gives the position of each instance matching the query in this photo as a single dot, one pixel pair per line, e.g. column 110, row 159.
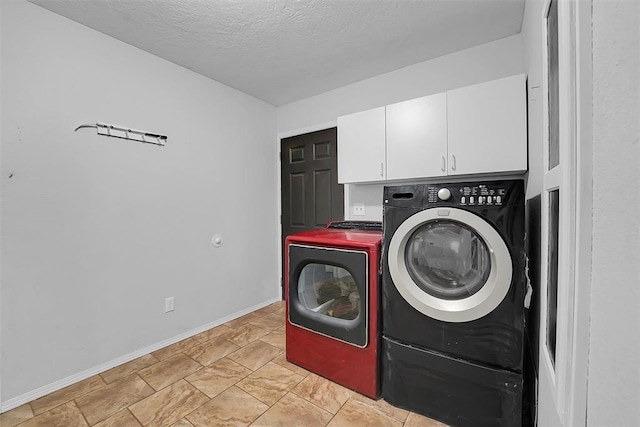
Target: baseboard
column 60, row 384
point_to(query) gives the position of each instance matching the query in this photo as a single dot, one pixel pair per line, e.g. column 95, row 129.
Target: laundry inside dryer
column 329, row 290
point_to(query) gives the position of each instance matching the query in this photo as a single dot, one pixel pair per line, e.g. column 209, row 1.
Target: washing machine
column 453, row 289
column 332, row 300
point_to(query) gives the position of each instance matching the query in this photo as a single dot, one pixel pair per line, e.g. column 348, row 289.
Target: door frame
column 567, row 380
column 280, row 136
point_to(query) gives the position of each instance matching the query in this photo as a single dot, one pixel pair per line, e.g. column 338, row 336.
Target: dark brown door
column 311, row 195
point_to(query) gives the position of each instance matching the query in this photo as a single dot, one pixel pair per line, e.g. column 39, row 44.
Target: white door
column 563, row 314
column 450, row 264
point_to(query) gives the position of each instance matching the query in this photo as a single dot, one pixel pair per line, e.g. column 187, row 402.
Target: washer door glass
column 447, row 259
column 449, row 264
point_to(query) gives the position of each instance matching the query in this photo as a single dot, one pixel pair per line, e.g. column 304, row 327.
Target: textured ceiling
column 284, row 50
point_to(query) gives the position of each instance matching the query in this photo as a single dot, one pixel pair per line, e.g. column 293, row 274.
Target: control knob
column 444, row 194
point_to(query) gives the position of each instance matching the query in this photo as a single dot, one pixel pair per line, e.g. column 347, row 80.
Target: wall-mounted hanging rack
column 123, row 133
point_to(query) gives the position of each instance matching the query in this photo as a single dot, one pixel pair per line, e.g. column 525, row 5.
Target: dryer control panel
column 468, row 195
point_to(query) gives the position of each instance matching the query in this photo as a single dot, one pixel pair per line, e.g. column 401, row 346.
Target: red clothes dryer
column 331, row 288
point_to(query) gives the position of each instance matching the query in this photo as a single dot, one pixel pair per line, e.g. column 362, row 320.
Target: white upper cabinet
column 361, row 147
column 479, row 129
column 417, row 137
column 487, row 127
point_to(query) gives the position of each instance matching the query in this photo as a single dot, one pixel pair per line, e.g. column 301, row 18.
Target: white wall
column 532, row 42
column 97, row 231
column 489, row 61
column 1, row 174
column 614, row 372
column 482, row 63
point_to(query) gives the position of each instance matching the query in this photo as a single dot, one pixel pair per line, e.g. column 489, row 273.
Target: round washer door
column 450, row 264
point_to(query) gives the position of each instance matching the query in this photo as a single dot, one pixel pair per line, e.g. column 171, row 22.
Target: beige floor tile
column 275, row 338
column 383, row 406
column 270, row 383
column 247, row 333
column 218, row 377
column 269, row 321
column 219, row 331
column 123, row 418
column 173, row 349
column 101, row 404
column 235, row 323
column 417, row 420
column 168, row 405
column 355, row 414
column 270, row 308
column 322, row 392
column 67, row 415
column 293, row 410
column 212, row 350
column 16, row 416
column 281, row 311
column 255, row 354
column 128, row 368
column 201, row 337
column 169, row 371
column 234, row 407
column 227, row 375
column 66, row 394
column 282, row 361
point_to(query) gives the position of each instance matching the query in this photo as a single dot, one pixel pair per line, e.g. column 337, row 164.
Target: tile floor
column 235, row 374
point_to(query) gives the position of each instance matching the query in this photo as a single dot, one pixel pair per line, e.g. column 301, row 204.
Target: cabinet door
column 417, row 138
column 361, row 146
column 487, row 127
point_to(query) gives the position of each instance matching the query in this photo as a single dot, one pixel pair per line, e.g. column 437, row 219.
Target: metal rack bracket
column 124, row 133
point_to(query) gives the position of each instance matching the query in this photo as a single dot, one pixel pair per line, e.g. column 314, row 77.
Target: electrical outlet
column 168, row 304
column 358, row 209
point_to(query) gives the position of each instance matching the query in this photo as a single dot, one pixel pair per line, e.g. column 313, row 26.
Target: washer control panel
column 468, row 195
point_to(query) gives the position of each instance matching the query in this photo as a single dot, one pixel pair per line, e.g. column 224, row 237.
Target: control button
column 498, row 199
column 470, row 200
column 444, row 194
column 489, row 200
column 462, row 200
column 480, row 200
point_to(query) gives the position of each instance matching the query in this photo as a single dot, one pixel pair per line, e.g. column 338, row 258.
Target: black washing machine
column 453, row 289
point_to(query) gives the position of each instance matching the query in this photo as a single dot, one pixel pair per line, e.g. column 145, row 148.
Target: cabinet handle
column 381, row 169
column 453, row 162
column 444, row 165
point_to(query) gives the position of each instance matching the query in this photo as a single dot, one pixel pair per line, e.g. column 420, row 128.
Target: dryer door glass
column 448, row 259
column 329, row 290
